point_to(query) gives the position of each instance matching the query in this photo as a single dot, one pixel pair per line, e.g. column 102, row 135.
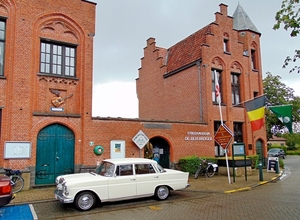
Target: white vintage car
column 119, row 179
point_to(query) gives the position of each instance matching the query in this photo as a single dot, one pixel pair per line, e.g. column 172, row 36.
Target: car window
column 106, row 169
column 124, row 170
column 144, row 169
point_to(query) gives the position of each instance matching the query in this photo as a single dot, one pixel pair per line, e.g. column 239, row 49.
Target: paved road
column 278, row 200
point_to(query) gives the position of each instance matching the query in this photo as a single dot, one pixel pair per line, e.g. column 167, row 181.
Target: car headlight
column 65, row 190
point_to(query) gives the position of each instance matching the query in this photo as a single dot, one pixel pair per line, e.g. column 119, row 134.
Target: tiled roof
column 241, row 20
column 187, row 50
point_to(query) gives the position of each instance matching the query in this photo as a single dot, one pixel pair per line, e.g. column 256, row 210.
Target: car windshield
column 106, row 169
column 273, row 150
column 160, row 169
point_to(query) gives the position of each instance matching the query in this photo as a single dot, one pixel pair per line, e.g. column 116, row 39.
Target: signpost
column 140, row 139
column 223, row 137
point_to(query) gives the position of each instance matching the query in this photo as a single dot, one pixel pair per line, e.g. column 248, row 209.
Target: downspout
column 200, row 93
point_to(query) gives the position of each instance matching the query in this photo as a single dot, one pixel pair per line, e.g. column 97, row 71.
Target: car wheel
column 162, row 192
column 85, row 201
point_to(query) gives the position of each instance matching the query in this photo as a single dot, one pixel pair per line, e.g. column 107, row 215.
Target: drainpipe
column 200, row 93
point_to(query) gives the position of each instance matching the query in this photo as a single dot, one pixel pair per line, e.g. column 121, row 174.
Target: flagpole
column 248, row 100
column 218, row 96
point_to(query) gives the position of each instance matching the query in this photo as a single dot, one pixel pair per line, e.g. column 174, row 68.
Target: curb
column 256, row 185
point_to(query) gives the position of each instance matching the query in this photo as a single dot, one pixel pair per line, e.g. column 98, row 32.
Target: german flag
column 256, row 112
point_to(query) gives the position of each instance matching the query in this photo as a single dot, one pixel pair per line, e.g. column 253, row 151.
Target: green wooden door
column 54, row 154
column 260, row 152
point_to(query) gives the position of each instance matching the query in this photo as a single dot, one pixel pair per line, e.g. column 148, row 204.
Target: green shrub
column 293, row 152
column 281, row 163
column 289, row 148
column 254, row 159
column 191, row 163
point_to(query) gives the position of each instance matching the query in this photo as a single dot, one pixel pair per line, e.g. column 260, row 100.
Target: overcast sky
column 123, row 26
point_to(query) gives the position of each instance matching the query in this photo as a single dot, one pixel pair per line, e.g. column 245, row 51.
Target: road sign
column 223, row 136
column 140, row 139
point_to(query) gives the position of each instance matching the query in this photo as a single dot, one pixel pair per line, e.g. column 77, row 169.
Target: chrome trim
column 61, row 198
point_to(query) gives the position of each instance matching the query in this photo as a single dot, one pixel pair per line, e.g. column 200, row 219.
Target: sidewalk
column 223, row 184
column 217, row 183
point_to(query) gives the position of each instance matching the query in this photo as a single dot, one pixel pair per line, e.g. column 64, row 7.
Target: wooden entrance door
column 54, row 154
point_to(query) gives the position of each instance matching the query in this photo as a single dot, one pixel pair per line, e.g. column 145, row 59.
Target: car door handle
column 132, row 179
column 155, row 177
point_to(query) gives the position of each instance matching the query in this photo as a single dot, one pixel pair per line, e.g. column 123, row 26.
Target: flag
column 256, row 112
column 284, row 114
column 217, row 88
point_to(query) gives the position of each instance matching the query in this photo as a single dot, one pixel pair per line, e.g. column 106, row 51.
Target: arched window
column 254, row 58
column 216, row 85
column 226, row 45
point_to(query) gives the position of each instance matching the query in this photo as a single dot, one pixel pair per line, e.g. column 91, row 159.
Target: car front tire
column 85, row 201
column 162, row 192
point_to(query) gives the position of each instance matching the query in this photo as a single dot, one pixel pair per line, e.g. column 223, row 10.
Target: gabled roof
column 187, row 50
column 241, row 20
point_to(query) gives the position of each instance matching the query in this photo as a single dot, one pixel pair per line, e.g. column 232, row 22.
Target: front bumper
column 59, row 196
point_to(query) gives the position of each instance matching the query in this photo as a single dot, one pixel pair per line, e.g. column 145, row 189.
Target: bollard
column 261, row 177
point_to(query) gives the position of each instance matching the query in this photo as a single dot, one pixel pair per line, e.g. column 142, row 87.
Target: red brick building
column 180, row 83
column 46, row 76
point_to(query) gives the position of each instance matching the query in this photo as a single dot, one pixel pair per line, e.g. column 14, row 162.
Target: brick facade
column 174, row 101
column 177, row 81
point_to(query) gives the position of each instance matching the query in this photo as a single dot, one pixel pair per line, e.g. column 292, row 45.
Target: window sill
column 57, row 76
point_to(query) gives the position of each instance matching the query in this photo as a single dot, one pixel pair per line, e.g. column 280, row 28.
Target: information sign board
column 223, row 136
column 140, row 139
column 273, row 164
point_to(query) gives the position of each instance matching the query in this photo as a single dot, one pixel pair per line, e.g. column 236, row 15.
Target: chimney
column 223, row 9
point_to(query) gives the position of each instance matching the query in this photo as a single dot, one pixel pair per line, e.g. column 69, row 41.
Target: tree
column 292, row 140
column 289, row 16
column 277, row 93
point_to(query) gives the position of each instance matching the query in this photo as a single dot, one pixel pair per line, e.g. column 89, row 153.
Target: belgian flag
column 256, row 112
